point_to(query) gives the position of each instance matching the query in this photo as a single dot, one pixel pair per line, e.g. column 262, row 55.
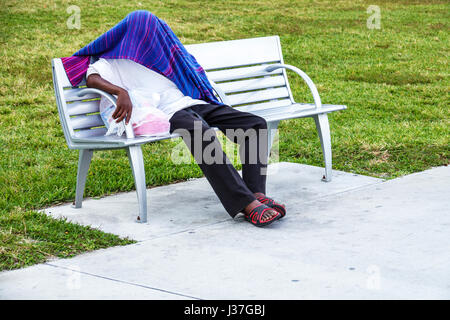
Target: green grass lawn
column 394, row 81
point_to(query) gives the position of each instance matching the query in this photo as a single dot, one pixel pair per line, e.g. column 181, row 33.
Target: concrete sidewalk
column 356, row 237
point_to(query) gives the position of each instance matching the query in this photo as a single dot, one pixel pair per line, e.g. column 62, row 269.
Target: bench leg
column 272, row 129
column 137, row 166
column 84, row 160
column 323, row 129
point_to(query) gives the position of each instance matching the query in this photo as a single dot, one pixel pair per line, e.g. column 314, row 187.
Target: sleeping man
column 142, row 53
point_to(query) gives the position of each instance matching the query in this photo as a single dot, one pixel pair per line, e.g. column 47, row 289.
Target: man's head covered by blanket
column 144, row 38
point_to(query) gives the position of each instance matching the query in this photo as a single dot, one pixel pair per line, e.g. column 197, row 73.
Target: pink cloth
column 151, row 126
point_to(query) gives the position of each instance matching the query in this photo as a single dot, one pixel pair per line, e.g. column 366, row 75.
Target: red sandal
column 281, row 209
column 255, row 216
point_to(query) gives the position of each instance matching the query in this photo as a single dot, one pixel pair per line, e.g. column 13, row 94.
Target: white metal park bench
column 248, row 74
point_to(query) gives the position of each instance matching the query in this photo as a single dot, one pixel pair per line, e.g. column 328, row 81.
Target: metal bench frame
column 248, row 74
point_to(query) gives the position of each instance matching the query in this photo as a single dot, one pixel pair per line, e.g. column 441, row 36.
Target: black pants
column 235, row 192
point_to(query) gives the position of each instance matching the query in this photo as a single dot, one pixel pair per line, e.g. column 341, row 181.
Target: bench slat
column 83, row 107
column 265, row 105
column 240, row 73
column 84, row 122
column 89, row 133
column 296, row 110
column 259, row 95
column 72, row 95
column 284, row 110
column 252, row 84
column 232, row 53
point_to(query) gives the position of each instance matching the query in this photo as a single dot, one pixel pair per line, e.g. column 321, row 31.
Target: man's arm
column 124, row 105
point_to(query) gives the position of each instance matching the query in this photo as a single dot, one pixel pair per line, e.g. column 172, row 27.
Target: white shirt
column 130, row 75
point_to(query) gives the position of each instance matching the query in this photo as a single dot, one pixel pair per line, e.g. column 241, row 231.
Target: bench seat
column 271, row 114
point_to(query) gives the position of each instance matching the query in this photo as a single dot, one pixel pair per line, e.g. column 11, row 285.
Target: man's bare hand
column 124, row 107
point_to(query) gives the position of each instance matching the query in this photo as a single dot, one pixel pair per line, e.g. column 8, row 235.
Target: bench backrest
column 79, row 117
column 235, row 66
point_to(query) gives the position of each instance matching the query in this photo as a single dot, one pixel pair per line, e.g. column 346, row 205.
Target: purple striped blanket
column 146, row 39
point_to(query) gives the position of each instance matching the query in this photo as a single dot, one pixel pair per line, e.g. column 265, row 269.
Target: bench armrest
column 84, row 91
column 304, row 76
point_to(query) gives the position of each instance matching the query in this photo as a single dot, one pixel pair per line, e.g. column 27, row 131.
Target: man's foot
column 280, row 208
column 259, row 214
